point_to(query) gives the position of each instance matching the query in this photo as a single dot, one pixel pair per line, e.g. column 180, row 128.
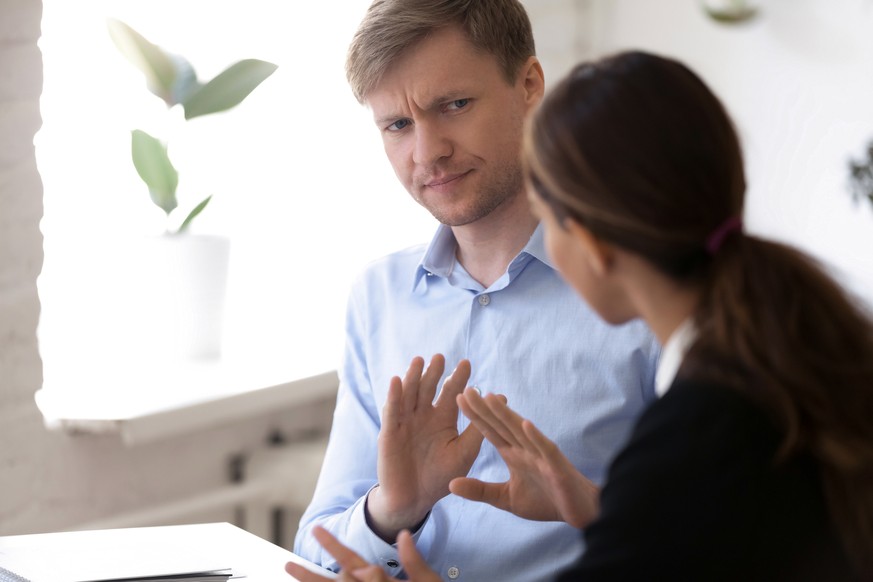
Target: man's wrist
column 381, row 527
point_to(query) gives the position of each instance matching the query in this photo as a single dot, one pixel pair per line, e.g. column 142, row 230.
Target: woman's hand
column 356, row 569
column 543, row 484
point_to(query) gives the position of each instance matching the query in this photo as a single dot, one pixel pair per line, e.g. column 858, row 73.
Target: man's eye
column 458, row 104
column 398, row 125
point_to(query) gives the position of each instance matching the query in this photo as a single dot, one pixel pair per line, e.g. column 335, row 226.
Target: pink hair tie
column 718, row 236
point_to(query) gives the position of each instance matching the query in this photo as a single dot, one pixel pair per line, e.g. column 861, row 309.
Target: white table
column 52, row 557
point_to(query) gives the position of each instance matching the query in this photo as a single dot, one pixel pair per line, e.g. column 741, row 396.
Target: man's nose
column 431, row 144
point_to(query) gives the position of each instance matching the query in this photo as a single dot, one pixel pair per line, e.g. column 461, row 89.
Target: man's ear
column 599, row 253
column 533, row 81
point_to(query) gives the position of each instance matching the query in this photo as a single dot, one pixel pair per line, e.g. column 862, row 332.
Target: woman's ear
column 598, row 252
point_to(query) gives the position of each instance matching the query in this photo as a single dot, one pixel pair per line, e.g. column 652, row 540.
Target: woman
column 757, row 461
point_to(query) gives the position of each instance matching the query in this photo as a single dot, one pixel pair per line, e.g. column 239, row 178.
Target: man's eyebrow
column 446, row 97
column 380, row 121
column 432, row 104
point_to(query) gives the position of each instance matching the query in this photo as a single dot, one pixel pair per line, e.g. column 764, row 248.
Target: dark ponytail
column 792, row 334
column 638, row 150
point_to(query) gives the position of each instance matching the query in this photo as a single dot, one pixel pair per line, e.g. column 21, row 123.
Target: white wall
column 798, row 81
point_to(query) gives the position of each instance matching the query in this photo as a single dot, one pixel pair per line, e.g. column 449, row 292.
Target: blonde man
column 450, row 84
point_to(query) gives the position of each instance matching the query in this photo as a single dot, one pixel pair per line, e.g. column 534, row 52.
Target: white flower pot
column 186, row 283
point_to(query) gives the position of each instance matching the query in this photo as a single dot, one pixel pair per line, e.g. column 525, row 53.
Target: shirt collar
column 672, row 355
column 536, row 246
column 439, row 257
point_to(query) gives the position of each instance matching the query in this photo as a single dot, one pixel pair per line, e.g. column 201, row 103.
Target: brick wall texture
column 20, row 248
column 20, row 197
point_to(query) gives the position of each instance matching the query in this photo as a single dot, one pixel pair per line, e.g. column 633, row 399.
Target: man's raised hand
column 420, row 449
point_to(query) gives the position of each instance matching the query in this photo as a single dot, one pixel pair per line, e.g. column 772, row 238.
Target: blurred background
column 303, row 193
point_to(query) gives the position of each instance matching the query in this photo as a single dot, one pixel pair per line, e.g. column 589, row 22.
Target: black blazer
column 696, row 495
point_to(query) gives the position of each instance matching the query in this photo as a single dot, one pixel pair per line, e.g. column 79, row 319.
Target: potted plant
column 173, row 79
column 185, row 274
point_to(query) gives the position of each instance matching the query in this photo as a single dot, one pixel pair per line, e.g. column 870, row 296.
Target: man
column 450, row 83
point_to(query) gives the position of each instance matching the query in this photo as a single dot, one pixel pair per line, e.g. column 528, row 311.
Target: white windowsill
column 146, row 405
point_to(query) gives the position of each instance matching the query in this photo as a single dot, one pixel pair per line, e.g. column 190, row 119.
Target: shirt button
column 453, row 572
column 484, row 300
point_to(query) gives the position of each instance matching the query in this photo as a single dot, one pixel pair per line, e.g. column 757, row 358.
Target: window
column 300, row 186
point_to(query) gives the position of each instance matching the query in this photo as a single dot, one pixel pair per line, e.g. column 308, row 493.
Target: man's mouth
column 445, row 179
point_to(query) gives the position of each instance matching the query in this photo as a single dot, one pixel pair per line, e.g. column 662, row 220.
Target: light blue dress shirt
column 528, row 336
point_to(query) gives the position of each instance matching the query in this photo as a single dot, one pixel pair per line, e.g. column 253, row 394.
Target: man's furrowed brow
column 447, row 97
column 380, row 121
column 433, row 103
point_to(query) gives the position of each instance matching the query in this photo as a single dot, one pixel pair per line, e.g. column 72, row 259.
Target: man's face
column 452, row 126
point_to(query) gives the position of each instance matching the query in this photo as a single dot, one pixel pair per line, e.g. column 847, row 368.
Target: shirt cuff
column 371, row 545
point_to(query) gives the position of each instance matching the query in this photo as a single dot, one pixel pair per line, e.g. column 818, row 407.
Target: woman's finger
column 371, row 573
column 412, row 560
column 302, row 574
column 510, row 419
column 541, row 443
column 464, row 403
column 481, row 407
column 347, row 558
column 480, row 491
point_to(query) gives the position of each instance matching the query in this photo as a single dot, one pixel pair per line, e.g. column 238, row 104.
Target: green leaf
column 154, row 167
column 157, row 65
column 228, row 88
column 197, row 210
column 186, row 83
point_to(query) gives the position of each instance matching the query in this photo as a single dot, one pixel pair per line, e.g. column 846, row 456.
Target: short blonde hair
column 499, row 27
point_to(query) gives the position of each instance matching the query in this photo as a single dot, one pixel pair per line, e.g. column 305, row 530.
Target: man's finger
column 392, row 411
column 431, row 379
column 446, row 403
column 411, row 384
column 457, row 380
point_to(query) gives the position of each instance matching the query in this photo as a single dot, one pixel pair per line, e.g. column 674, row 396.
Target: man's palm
column 420, row 449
